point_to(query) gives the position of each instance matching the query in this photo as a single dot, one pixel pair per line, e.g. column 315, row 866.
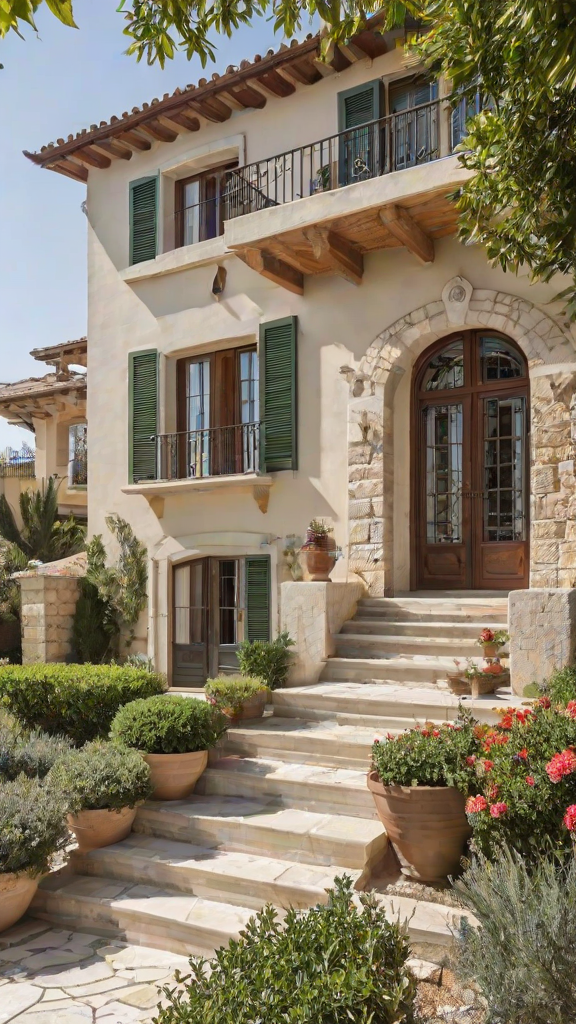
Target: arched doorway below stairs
column 470, row 464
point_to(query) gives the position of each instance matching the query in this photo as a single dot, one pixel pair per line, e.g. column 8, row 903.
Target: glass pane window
column 78, row 455
column 499, row 360
column 182, row 604
column 228, row 600
column 191, row 213
column 504, row 472
column 446, row 369
column 443, row 434
column 249, row 392
column 197, row 603
column 198, row 411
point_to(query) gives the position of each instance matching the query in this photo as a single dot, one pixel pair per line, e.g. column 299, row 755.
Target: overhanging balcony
column 204, row 460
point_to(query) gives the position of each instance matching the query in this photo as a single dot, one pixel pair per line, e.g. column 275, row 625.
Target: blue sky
column 53, row 84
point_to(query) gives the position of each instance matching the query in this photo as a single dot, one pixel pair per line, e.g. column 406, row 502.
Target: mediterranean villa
column 282, row 325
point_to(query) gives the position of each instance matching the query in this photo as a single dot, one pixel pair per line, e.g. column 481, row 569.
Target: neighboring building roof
column 25, row 400
column 186, row 110
column 62, row 355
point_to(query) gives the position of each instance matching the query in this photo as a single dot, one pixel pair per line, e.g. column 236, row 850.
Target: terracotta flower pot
column 427, row 826
column 16, row 892
column 103, row 827
column 321, row 558
column 251, row 708
column 491, row 649
column 175, row 775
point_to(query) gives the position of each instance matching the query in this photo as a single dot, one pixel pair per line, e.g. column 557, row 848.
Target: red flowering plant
column 526, row 782
column 430, row 755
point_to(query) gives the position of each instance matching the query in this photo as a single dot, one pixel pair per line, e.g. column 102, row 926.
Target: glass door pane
column 191, row 213
column 198, row 418
column 249, row 409
column 504, row 517
column 443, row 438
column 182, row 604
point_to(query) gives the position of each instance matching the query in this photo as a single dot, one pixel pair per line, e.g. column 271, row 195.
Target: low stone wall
column 312, row 613
column 48, row 606
column 542, row 626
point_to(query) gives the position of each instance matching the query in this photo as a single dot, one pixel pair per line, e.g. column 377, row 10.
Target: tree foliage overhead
column 520, row 202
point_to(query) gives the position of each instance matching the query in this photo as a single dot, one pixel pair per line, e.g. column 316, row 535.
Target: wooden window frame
column 217, row 173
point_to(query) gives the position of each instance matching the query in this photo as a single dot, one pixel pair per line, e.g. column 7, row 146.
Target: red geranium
column 530, row 780
column 476, row 804
column 488, row 765
column 523, row 754
column 544, row 702
column 571, row 709
column 570, row 818
column 497, row 810
column 561, row 765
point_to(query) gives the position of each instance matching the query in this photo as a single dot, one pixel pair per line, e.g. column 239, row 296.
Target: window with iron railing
column 78, row 455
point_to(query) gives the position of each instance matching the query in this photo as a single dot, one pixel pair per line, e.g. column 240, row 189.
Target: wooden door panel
column 503, row 566
column 444, row 566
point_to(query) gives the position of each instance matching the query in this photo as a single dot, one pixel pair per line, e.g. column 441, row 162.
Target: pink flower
column 476, row 804
column 497, row 810
column 471, row 760
column 488, row 765
column 530, row 780
column 545, row 702
column 571, row 709
column 561, row 765
column 377, row 739
column 570, row 818
column 435, row 732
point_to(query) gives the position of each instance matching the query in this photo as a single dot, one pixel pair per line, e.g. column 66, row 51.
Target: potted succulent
column 419, row 780
column 174, row 734
column 238, row 697
column 32, row 829
column 320, row 550
column 491, row 640
column 103, row 784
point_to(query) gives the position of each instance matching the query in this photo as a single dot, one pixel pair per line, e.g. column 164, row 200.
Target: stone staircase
column 283, row 807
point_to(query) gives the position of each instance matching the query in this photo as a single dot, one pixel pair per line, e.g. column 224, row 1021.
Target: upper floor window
column 78, row 455
column 200, row 203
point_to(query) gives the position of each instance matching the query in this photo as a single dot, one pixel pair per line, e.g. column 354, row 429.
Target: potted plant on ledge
column 419, row 781
column 237, row 697
column 491, row 640
column 103, row 784
column 174, row 734
column 320, row 550
column 32, row 829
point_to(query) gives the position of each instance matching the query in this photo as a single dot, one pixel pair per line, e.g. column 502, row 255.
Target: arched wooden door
column 470, row 464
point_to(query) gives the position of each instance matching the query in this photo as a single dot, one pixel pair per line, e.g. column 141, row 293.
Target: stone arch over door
column 550, row 350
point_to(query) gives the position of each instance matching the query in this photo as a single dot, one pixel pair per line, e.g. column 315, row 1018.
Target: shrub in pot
column 320, row 551
column 267, row 660
column 103, row 784
column 419, row 780
column 175, row 735
column 32, row 828
column 78, row 701
column 332, row 964
column 29, row 753
column 238, row 697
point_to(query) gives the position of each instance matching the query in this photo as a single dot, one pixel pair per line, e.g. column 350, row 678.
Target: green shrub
column 268, row 661
column 429, row 755
column 523, row 955
column 32, row 753
column 78, row 701
column 168, row 725
column 94, row 630
column 526, row 781
column 32, row 825
column 102, row 775
column 229, row 693
column 332, row 964
column 561, row 687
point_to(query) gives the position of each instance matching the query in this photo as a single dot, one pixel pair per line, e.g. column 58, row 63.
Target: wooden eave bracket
column 401, row 225
column 331, row 248
column 272, row 268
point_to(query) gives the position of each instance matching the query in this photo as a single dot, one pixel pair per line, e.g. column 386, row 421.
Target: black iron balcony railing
column 203, row 220
column 391, row 143
column 213, row 451
column 18, row 464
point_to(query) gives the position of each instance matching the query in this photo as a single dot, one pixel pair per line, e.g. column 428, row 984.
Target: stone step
column 415, row 609
column 294, row 740
column 241, row 879
column 144, row 915
column 409, row 670
column 259, row 826
column 382, row 702
column 303, row 786
column 362, row 645
column 381, row 626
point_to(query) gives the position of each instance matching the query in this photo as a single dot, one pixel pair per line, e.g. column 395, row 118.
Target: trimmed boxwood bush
column 32, row 753
column 32, row 825
column 79, row 701
column 333, row 964
column 168, row 725
column 266, row 660
column 229, row 693
column 102, row 775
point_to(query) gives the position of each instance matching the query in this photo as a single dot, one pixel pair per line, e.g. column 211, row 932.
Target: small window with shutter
column 359, row 147
column 143, row 219
column 278, row 389
column 143, row 415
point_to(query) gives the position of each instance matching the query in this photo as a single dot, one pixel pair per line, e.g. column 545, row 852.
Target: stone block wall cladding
column 546, row 341
column 313, row 613
column 542, row 627
column 48, row 606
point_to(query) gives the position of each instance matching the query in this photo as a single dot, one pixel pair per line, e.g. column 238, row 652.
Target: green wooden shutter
column 278, row 385
column 143, row 219
column 258, row 597
column 359, row 105
column 143, row 414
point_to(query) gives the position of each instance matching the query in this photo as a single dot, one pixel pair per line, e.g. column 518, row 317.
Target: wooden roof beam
column 113, row 148
column 184, row 118
column 211, row 108
column 401, row 225
column 70, row 169
column 247, row 96
column 92, row 158
column 303, row 73
column 159, row 131
column 371, row 43
column 276, row 84
column 339, row 254
column 273, row 269
column 132, row 138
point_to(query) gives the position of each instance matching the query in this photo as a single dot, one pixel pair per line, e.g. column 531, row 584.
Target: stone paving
column 57, row 976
